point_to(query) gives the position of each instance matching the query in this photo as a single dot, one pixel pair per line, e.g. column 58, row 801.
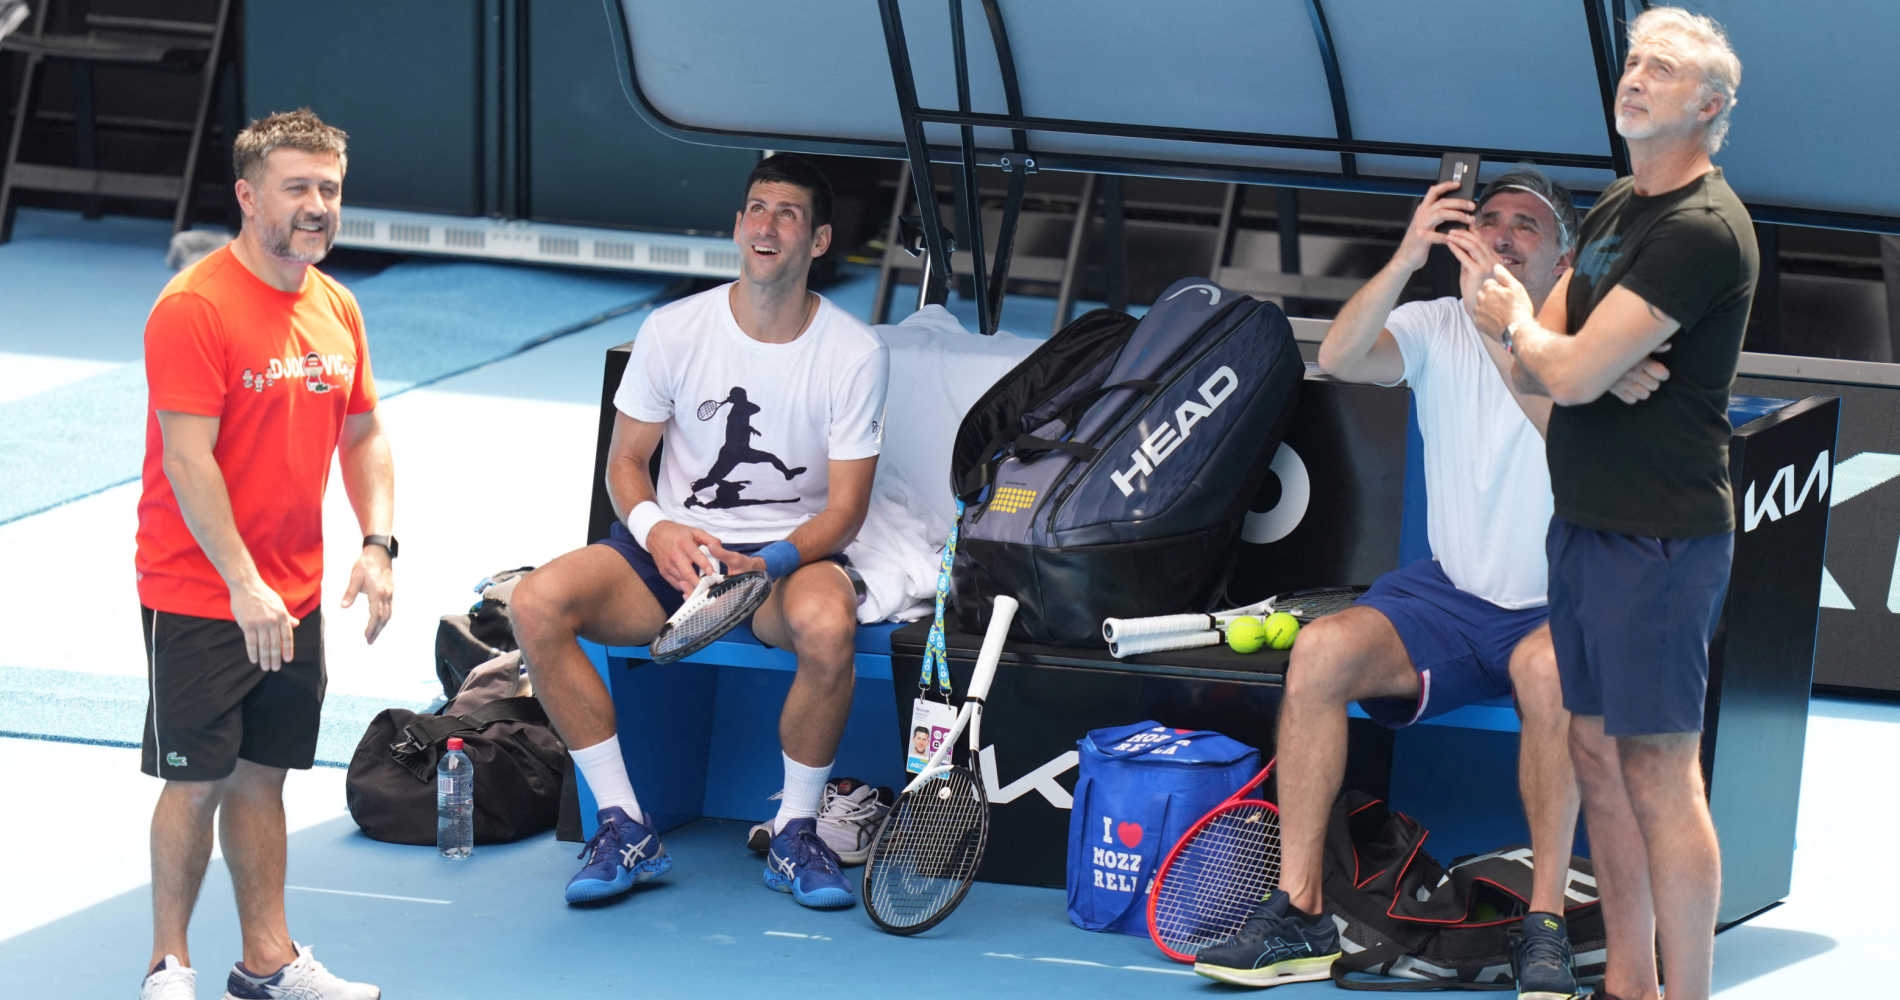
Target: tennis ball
column 1246, row 634
column 1281, row 629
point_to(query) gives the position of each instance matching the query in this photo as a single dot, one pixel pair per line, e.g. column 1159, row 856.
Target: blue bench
column 669, row 715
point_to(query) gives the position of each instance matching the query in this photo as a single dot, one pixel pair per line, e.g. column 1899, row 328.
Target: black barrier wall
column 1860, row 582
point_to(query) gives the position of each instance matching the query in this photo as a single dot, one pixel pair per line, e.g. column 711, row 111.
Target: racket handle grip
column 1001, row 614
column 1124, row 629
column 1158, row 643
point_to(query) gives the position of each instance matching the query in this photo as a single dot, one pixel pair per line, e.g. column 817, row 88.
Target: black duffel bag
column 521, row 766
column 466, row 641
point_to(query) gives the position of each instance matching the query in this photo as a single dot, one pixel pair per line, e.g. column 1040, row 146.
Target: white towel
column 938, row 369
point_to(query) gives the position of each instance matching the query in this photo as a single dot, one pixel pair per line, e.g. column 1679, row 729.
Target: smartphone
column 1463, row 168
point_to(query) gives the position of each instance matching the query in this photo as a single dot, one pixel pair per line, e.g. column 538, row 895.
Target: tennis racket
column 928, row 848
column 710, row 407
column 1217, row 874
column 1130, row 636
column 717, row 604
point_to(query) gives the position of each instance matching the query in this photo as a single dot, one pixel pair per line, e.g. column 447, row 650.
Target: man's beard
column 1646, row 127
column 277, row 239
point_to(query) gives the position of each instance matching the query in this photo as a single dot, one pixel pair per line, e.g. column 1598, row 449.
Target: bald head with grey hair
column 1709, row 46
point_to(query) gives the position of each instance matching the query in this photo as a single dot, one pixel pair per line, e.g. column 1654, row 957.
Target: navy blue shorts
column 1631, row 618
column 621, row 540
column 1460, row 644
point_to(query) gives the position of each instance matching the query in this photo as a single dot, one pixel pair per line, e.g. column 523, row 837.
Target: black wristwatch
column 386, row 541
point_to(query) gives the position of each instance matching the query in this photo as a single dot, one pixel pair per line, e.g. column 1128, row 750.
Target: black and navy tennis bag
column 1407, row 923
column 1109, row 472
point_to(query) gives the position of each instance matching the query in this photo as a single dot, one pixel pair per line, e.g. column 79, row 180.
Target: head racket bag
column 1108, row 474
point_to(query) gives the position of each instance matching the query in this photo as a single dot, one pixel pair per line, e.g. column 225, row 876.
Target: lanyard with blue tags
column 930, row 721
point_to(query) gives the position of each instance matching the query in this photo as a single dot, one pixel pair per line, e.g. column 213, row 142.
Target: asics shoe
column 801, row 863
column 303, row 979
column 1540, row 958
column 622, row 854
column 170, row 980
column 848, row 819
column 1276, row 945
column 850, row 816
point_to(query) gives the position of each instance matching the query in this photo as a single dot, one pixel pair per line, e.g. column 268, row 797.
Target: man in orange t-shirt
column 258, row 372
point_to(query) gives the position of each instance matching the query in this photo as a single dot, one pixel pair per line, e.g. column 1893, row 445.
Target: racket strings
column 928, row 850
column 710, row 613
column 1319, row 603
column 1218, row 879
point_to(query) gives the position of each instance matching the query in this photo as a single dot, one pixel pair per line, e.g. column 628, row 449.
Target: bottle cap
column 455, row 743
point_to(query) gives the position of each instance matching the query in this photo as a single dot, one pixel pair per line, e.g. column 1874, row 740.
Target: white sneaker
column 172, row 980
column 13, row 13
column 303, row 979
column 848, row 818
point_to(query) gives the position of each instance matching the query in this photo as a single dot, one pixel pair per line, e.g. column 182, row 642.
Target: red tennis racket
column 1216, row 875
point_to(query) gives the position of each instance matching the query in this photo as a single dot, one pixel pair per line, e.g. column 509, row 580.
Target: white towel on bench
column 938, row 369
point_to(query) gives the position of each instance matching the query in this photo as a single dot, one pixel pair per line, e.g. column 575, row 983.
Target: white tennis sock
column 804, row 790
column 606, row 774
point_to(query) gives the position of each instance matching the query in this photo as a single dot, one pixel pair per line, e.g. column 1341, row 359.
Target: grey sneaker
column 172, row 980
column 848, row 819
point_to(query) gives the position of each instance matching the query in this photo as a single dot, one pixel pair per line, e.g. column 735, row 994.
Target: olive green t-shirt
column 1660, row 467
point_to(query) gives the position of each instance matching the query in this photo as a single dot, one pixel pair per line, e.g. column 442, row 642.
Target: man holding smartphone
column 1641, row 540
column 1466, row 625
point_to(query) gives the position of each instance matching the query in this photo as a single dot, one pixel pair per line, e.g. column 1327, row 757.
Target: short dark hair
column 921, row 731
column 300, row 130
column 788, row 168
column 1555, row 196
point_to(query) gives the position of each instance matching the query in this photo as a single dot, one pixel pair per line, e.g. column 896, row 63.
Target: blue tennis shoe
column 801, row 863
column 623, row 854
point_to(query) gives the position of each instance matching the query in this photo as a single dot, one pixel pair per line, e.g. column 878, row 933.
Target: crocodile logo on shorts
column 175, row 759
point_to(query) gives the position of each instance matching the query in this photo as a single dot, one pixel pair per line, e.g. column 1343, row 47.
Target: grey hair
column 1532, row 181
column 1721, row 67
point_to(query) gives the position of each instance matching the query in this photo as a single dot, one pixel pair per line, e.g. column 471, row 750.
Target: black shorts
column 207, row 704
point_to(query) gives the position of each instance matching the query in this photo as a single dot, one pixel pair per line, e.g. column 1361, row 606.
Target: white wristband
column 642, row 518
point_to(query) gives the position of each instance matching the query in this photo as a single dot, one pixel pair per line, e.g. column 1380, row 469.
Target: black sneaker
column 1276, row 945
column 1540, row 959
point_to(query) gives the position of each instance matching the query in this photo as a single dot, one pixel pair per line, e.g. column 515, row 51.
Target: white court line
column 1057, row 960
column 795, row 934
column 1166, row 972
column 372, row 895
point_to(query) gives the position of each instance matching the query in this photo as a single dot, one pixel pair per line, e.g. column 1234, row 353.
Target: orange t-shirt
column 280, row 370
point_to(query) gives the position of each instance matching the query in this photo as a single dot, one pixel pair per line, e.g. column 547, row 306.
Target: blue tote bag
column 1138, row 789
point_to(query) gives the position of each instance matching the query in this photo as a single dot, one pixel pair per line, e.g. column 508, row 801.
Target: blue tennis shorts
column 1459, row 643
column 621, row 540
column 1631, row 618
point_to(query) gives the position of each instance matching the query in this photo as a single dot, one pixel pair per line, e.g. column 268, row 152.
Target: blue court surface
column 494, row 432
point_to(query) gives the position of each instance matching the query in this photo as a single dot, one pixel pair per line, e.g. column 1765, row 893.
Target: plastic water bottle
column 455, row 803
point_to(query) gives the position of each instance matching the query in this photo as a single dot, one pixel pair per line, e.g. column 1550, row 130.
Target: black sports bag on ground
column 1108, row 474
column 521, row 766
column 1405, row 916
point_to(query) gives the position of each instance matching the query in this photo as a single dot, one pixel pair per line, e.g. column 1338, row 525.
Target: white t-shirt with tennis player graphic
column 754, row 466
column 1487, row 486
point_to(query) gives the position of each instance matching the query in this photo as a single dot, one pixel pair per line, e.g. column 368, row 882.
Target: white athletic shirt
column 1486, row 483
column 779, row 408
